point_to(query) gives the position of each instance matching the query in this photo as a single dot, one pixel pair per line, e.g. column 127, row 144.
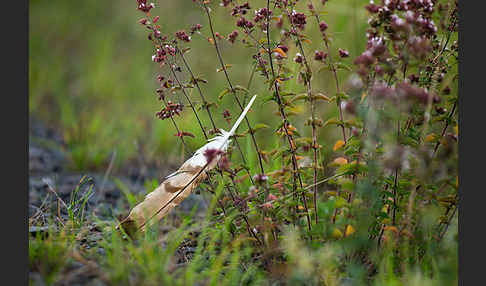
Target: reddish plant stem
column 245, row 218
column 338, row 91
column 285, row 121
column 205, row 135
column 315, row 146
column 205, row 104
column 336, row 80
column 176, row 127
column 200, row 124
column 445, row 127
column 448, row 222
column 206, row 9
column 188, row 99
column 204, row 101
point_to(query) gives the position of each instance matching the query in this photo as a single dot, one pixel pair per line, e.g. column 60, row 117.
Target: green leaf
column 240, row 88
column 223, row 93
column 342, row 66
column 333, row 120
column 259, row 126
column 302, row 96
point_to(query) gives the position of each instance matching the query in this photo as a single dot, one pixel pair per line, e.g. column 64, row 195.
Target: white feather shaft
column 243, row 114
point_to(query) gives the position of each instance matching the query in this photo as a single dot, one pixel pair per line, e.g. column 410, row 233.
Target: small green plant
column 49, row 254
column 77, row 203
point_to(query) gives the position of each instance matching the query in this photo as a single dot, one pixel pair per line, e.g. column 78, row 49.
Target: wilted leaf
column 280, row 52
column 336, row 233
column 321, row 96
column 332, row 121
column 349, row 230
column 340, row 161
column 301, row 96
column 240, row 88
column 431, row 137
column 391, row 228
column 259, row 126
column 223, row 93
column 363, row 96
column 338, row 145
column 228, row 66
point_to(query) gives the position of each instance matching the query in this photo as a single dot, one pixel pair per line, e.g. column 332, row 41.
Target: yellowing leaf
column 211, row 41
column 431, row 137
column 300, row 207
column 391, row 228
column 336, row 233
column 332, row 193
column 340, row 202
column 340, row 161
column 338, row 145
column 363, row 96
column 307, row 41
column 280, row 52
column 322, row 96
column 349, row 230
column 456, row 130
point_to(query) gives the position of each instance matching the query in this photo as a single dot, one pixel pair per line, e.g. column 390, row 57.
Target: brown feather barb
column 179, row 185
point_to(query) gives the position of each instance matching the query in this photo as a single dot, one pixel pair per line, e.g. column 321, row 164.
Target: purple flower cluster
column 212, row 154
column 244, row 23
column 323, row 27
column 240, row 9
column 232, row 36
column 261, row 14
column 403, row 90
column 225, row 3
column 160, row 55
column 142, row 6
column 195, row 28
column 260, row 178
column 183, row 36
column 298, row 58
column 412, row 92
column 404, row 26
column 169, row 111
column 320, row 56
column 343, row 53
column 298, row 19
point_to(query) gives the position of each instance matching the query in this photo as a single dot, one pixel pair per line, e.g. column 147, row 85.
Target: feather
column 179, row 185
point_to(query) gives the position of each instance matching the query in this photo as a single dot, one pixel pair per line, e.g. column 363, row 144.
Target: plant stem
column 205, row 104
column 285, row 120
column 315, row 146
column 336, row 80
column 445, row 127
column 231, row 87
column 188, row 99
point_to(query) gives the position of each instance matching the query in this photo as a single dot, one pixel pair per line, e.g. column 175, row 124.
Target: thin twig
column 231, row 87
column 315, row 146
column 295, row 166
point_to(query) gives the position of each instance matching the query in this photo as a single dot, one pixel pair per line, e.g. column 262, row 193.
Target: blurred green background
column 91, row 76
